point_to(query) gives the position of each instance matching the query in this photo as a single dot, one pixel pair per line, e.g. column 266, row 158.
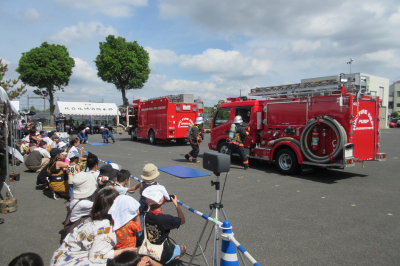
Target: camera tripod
column 214, row 206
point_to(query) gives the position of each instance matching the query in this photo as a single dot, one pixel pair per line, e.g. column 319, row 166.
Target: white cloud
column 163, row 57
column 226, row 64
column 5, row 62
column 376, row 9
column 114, row 8
column 386, row 57
column 83, row 31
column 31, row 14
column 305, row 45
column 84, row 73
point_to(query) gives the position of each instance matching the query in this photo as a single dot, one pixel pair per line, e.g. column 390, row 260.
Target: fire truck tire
column 223, row 148
column 286, row 162
column 133, row 135
column 152, row 137
column 181, row 141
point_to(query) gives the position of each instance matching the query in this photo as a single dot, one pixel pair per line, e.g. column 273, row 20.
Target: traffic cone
column 228, row 249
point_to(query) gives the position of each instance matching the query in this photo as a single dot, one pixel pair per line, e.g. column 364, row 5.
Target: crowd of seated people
column 104, row 225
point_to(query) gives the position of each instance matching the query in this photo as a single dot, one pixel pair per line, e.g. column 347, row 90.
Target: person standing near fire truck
column 196, row 137
column 236, row 143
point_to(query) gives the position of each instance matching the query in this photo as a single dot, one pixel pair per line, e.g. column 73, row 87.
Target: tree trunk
column 124, row 99
column 51, row 100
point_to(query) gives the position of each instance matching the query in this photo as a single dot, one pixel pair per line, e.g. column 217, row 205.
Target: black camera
column 170, row 198
column 216, row 162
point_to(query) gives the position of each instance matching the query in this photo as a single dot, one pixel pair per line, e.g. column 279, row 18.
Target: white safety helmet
column 87, row 128
column 199, row 120
column 238, row 120
column 101, row 127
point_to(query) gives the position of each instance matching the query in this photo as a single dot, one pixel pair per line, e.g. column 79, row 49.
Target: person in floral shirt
column 93, row 241
column 126, row 221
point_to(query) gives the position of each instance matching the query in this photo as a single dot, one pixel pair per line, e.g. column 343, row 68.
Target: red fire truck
column 326, row 124
column 163, row 118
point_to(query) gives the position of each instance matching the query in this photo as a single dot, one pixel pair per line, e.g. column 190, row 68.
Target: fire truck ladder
column 314, row 88
column 297, row 89
column 172, row 98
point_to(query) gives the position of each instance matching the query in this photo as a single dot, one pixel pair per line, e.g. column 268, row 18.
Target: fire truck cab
column 328, row 124
column 163, row 118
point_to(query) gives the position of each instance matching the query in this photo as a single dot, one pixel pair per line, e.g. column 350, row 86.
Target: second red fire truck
column 326, row 124
column 163, row 118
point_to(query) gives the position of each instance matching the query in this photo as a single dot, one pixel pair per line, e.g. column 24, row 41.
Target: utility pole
column 28, row 103
column 240, row 93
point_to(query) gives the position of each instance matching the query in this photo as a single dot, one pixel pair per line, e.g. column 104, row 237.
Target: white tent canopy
column 4, row 99
column 86, row 108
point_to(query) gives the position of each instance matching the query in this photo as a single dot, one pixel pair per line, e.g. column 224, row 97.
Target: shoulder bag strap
column 144, row 225
column 75, row 204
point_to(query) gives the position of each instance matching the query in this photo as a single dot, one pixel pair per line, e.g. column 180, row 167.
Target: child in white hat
column 126, row 222
column 158, row 225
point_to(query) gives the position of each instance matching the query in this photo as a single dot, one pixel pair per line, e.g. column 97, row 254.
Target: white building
column 377, row 86
column 394, row 97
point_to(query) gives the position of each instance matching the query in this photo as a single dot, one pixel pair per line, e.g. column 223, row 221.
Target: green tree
column 8, row 85
column 48, row 68
column 124, row 64
column 210, row 111
column 395, row 114
column 33, row 108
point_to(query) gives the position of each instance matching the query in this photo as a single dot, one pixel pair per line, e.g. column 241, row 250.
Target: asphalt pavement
column 327, row 217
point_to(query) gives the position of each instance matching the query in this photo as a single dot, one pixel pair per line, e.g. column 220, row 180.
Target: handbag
column 149, row 249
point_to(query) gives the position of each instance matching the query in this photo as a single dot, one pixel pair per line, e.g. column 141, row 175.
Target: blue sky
column 213, row 49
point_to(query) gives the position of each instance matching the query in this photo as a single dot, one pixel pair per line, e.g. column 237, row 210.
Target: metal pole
column 6, row 157
column 216, row 227
column 28, row 103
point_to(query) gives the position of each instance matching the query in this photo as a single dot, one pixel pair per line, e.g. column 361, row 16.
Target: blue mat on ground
column 182, row 171
column 98, row 144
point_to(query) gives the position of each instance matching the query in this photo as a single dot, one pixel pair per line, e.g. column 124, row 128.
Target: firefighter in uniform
column 196, row 137
column 236, row 144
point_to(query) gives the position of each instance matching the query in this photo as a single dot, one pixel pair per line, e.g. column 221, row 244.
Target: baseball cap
column 108, row 170
column 55, row 151
column 54, row 137
column 24, row 139
column 76, row 154
column 61, row 144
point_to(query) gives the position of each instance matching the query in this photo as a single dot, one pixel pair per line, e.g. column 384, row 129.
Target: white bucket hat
column 150, row 172
column 84, row 185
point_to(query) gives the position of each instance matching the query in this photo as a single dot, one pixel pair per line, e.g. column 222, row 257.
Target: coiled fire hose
column 275, row 141
column 336, row 127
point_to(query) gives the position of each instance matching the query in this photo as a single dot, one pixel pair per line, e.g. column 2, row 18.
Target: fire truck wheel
column 181, row 141
column 223, row 148
column 152, row 137
column 133, row 135
column 286, row 161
